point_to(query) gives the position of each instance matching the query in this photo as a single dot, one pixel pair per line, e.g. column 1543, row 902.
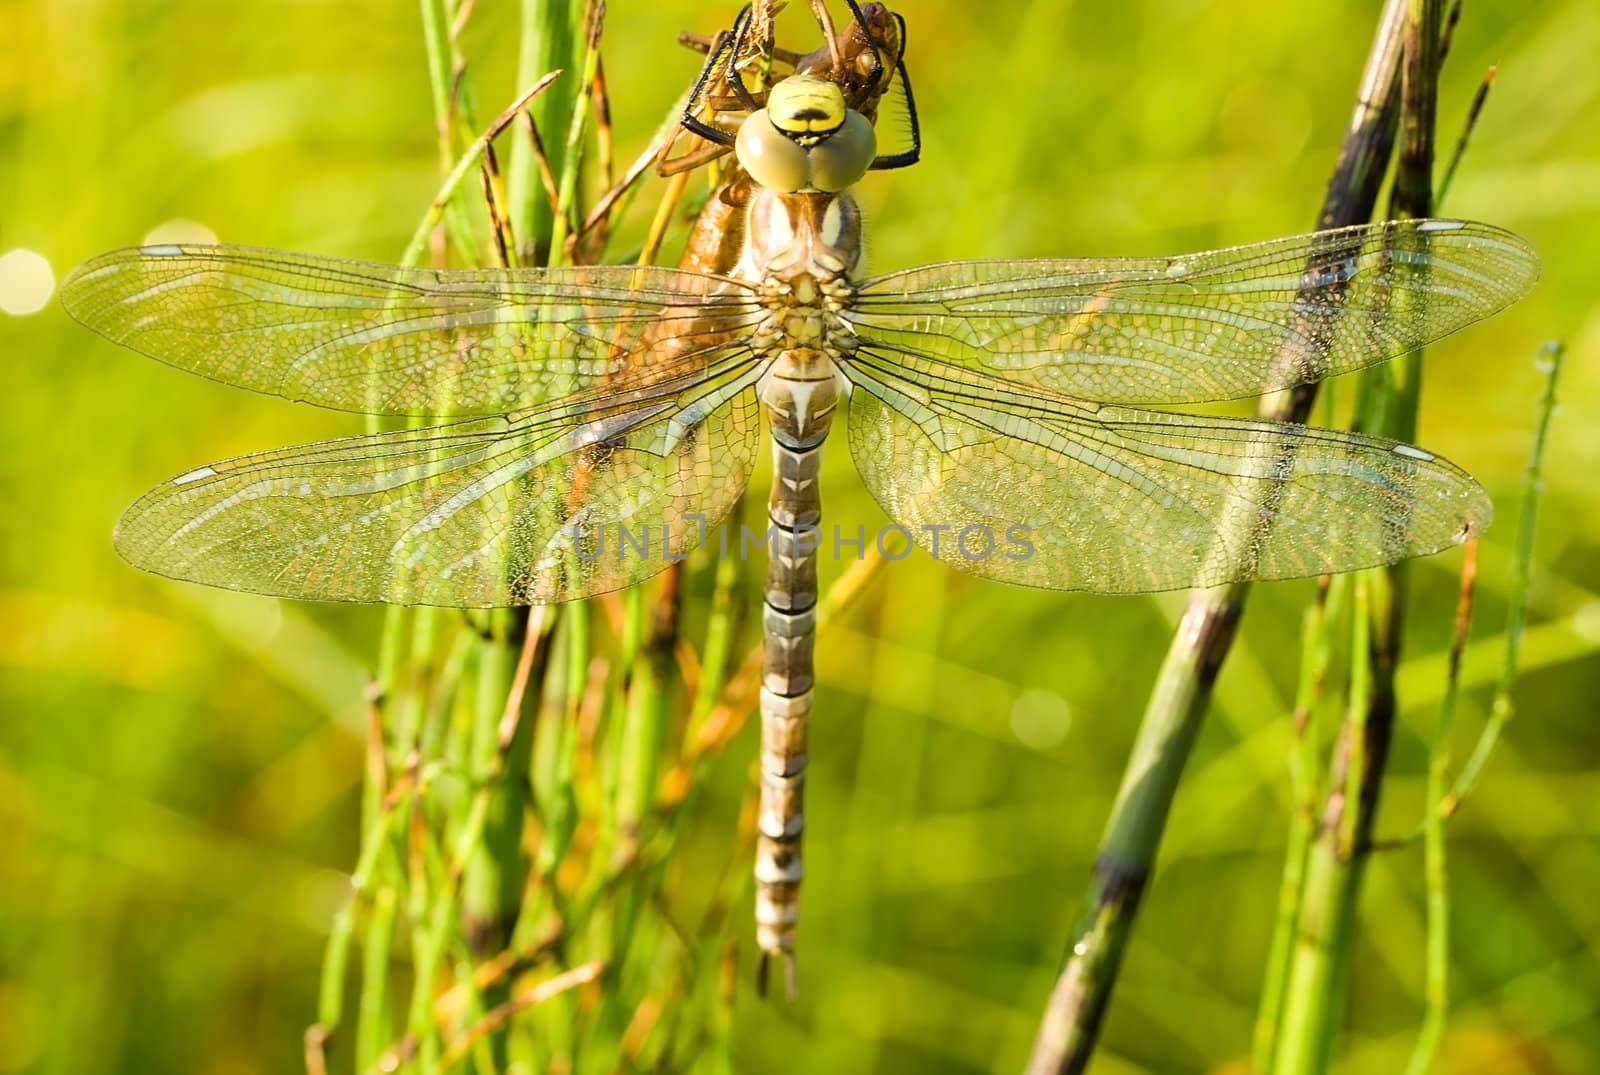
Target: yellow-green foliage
column 180, row 769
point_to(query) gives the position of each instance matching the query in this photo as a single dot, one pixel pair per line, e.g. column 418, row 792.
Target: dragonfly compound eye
column 842, row 159
column 770, row 156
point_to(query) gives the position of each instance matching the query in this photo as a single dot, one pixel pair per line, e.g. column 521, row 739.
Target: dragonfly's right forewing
column 382, row 339
column 550, row 506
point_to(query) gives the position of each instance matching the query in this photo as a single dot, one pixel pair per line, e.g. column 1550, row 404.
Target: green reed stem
column 443, row 58
column 1436, row 983
column 373, row 1025
column 1443, row 801
column 491, row 847
column 1072, row 1018
column 1388, row 402
column 555, row 753
column 398, row 622
column 570, row 156
column 465, row 165
column 645, row 727
column 414, row 691
column 1503, row 708
column 335, row 964
column 492, row 883
column 547, row 34
column 722, row 630
column 1323, row 620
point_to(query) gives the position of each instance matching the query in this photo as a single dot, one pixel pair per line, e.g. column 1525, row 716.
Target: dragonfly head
column 806, row 139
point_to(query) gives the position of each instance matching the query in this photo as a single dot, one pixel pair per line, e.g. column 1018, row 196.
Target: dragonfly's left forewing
column 1223, row 324
column 1062, row 495
column 544, row 507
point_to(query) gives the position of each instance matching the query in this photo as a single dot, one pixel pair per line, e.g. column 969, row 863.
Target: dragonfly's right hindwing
column 476, row 513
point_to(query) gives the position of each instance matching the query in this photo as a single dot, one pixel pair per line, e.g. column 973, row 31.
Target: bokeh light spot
column 179, row 230
column 1586, row 622
column 1040, row 719
column 26, row 282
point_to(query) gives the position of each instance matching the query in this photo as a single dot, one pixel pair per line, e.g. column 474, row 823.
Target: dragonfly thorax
column 789, row 235
column 799, row 252
column 804, row 338
column 804, row 312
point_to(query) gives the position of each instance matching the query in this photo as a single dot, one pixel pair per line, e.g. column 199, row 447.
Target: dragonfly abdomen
column 800, row 412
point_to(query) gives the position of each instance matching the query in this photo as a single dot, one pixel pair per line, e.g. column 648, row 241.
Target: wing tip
column 1522, row 264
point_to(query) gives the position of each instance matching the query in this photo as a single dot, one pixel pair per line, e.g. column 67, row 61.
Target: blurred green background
column 179, row 768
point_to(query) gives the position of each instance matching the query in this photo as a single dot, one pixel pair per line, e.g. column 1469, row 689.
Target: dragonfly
column 601, row 422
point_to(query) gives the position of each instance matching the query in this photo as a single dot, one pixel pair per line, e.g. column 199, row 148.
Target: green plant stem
column 397, row 621
column 569, row 158
column 448, row 119
column 373, row 1029
column 413, row 696
column 1138, row 816
column 1332, row 874
column 1436, row 984
column 1443, row 803
column 464, row 166
column 648, row 712
column 399, row 689
column 1502, row 708
column 722, row 629
column 493, row 863
column 491, row 888
column 1322, row 622
column 548, row 31
column 1388, row 404
column 1177, row 705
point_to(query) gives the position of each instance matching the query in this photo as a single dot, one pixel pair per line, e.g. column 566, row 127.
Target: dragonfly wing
column 484, row 512
column 1049, row 492
column 380, row 339
column 1218, row 325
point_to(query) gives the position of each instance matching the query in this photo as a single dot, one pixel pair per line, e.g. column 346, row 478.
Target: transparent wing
column 566, row 503
column 380, row 339
column 1218, row 325
column 1047, row 492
